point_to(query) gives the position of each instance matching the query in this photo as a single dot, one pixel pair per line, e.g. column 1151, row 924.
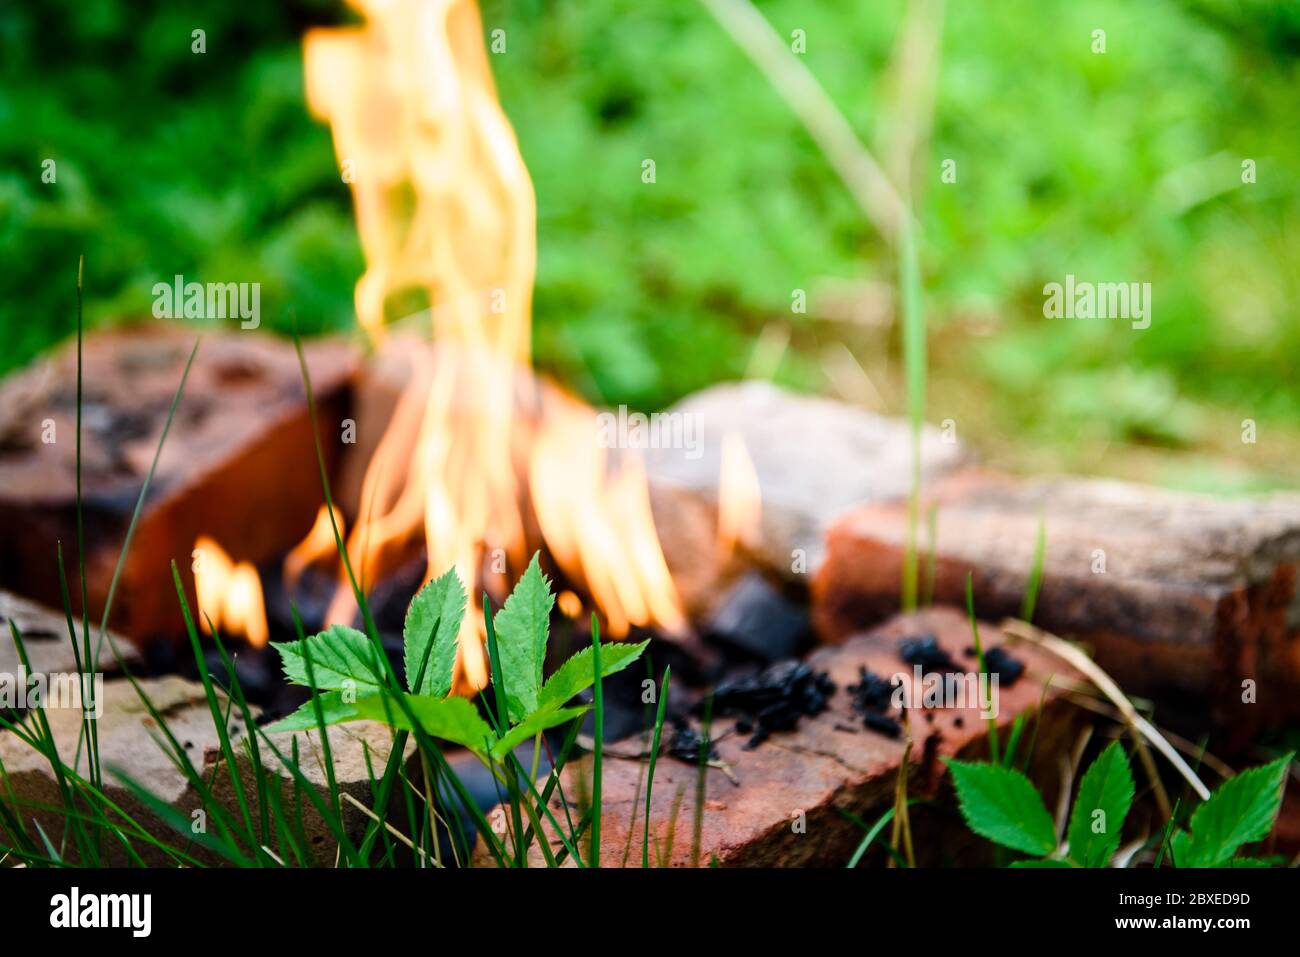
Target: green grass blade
column 553, row 778
column 45, row 744
column 654, row 757
column 1035, row 582
column 90, row 663
column 598, row 703
column 979, row 655
column 236, row 695
column 932, row 555
column 223, row 733
column 321, row 730
column 872, row 833
column 914, row 365
column 339, row 544
column 701, row 779
column 502, row 726
column 640, row 770
column 139, row 508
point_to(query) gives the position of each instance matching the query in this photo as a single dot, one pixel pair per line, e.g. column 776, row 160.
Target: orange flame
column 445, row 207
column 740, row 499
column 229, row 593
column 317, row 546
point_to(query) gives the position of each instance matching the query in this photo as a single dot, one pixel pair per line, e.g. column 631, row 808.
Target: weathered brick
column 821, row 769
column 239, row 462
column 1198, row 594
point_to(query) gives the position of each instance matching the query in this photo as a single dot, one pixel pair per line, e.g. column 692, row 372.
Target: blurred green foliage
column 1122, row 166
column 167, row 162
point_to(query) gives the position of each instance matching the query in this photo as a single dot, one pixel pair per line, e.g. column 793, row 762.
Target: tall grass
column 914, row 366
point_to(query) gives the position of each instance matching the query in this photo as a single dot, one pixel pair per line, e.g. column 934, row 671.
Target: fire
column 473, row 461
column 598, row 525
column 229, row 593
column 317, row 546
column 740, row 501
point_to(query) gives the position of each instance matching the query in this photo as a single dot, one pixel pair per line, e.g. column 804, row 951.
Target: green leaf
column 1044, row 862
column 1240, row 811
column 338, row 655
column 433, row 618
column 1106, row 787
column 451, row 719
column 523, row 625
column 1255, row 862
column 1001, row 804
column 333, row 708
column 531, row 725
column 578, row 673
column 1180, row 848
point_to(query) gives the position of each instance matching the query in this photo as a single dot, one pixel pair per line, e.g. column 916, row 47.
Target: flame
column 445, row 206
column 569, row 603
column 229, row 593
column 598, row 525
column 740, row 499
column 317, row 546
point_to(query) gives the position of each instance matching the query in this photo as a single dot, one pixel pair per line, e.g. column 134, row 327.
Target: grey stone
column 815, row 460
column 45, row 637
column 129, row 743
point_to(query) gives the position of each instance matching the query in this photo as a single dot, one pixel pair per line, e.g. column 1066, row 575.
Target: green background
column 1122, row 166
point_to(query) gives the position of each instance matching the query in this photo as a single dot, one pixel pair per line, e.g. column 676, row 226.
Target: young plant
column 1001, row 804
column 353, row 686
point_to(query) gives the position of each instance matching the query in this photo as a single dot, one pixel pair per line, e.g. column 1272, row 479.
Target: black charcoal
column 924, row 650
column 773, row 699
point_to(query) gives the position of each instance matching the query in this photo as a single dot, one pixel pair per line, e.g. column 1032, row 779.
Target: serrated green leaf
column 451, row 719
column 578, row 673
column 334, row 711
column 1001, row 804
column 1240, row 811
column 338, row 655
column 523, row 625
column 433, row 619
column 531, row 725
column 1107, row 786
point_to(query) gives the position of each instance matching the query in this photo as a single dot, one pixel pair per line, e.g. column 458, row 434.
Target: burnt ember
column 686, row 743
column 882, row 723
column 998, row 661
column 872, row 692
column 924, row 650
column 773, row 699
column 872, row 697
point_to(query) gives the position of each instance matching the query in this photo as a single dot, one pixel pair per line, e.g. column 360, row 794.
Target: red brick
column 821, row 770
column 1198, row 593
column 239, row 463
